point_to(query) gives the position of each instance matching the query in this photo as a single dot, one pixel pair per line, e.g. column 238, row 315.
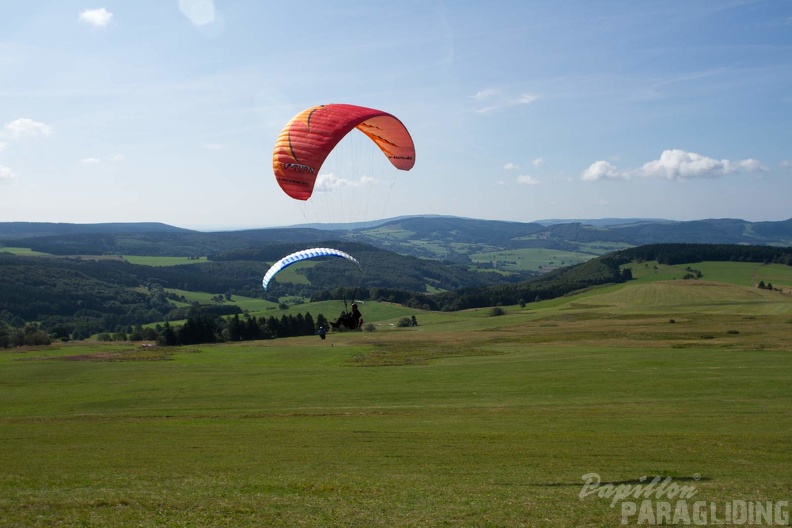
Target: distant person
column 322, row 332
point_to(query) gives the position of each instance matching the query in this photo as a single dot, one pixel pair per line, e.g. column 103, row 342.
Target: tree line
column 197, row 329
column 206, row 329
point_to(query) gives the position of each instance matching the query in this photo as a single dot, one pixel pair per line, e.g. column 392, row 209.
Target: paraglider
column 310, row 136
column 309, row 140
column 303, row 255
column 352, row 320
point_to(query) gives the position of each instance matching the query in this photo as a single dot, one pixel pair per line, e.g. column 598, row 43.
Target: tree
column 626, row 274
column 168, row 337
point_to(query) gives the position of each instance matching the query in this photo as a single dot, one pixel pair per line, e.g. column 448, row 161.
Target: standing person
column 357, row 317
column 322, row 332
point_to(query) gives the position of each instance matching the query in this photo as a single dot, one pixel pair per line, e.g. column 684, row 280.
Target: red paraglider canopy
column 307, row 140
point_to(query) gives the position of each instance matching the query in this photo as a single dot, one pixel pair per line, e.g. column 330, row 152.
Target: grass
column 739, row 273
column 466, row 420
column 22, row 251
column 530, row 259
column 163, row 261
column 245, row 303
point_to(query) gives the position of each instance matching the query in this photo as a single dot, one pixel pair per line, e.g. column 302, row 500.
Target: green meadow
column 162, row 261
column 530, row 259
column 21, row 251
column 468, row 419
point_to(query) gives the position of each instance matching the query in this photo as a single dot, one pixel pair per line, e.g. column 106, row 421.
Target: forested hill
column 602, row 270
column 428, row 237
column 70, row 296
column 102, row 294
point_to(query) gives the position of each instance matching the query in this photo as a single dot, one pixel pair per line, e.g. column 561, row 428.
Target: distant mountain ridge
column 35, row 229
column 609, row 222
column 435, row 237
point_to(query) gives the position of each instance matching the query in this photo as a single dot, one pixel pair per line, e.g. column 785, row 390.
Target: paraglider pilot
column 351, row 321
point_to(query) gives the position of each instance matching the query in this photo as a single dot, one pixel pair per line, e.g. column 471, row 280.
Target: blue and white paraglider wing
column 303, row 255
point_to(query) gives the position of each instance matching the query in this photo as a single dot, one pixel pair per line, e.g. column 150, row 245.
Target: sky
column 168, row 110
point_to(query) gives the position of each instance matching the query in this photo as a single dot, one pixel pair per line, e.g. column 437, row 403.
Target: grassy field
column 163, row 261
column 531, row 259
column 740, row 273
column 465, row 420
column 22, row 251
column 250, row 304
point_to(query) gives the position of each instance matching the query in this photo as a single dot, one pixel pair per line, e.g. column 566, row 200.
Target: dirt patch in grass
column 141, row 354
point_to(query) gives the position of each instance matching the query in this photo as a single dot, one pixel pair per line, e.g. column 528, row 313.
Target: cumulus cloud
column 677, row 164
column 494, row 99
column 538, row 162
column 6, row 175
column 25, row 127
column 602, row 170
column 2, row 146
column 527, row 180
column 511, row 166
column 90, row 161
column 330, row 182
column 785, row 163
column 96, row 17
column 673, row 164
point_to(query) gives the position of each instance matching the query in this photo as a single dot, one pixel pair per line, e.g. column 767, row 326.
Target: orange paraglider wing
column 307, row 140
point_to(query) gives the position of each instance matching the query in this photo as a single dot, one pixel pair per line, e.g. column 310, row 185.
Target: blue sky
column 167, row 110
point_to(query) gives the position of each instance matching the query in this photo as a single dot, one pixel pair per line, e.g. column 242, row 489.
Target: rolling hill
column 435, row 237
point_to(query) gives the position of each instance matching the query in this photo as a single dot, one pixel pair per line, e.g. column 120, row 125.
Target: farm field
column 532, row 259
column 245, row 303
column 162, row 261
column 22, row 251
column 465, row 420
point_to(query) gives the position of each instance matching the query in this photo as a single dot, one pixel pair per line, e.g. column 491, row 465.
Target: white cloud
column 525, row 99
column 494, row 99
column 511, row 166
column 6, row 175
column 24, row 127
column 602, row 170
column 213, row 146
column 96, row 17
column 676, row 164
column 527, row 180
column 2, row 146
column 673, row 164
column 784, row 163
column 538, row 162
column 115, row 158
column 487, row 93
column 330, row 183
